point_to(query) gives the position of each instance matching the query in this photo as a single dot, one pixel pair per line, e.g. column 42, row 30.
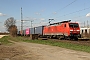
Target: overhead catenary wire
column 71, row 12
column 75, row 12
column 66, row 6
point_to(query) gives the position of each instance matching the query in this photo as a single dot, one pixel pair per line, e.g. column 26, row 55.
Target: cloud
column 42, row 10
column 42, row 19
column 1, row 14
column 88, row 15
column 40, row 24
column 34, row 19
column 2, row 26
column 18, row 20
column 54, row 12
column 38, row 13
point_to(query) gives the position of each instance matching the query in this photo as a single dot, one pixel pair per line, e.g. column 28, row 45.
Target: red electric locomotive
column 62, row 30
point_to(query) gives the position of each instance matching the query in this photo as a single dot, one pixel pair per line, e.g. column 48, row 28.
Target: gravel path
column 46, row 52
column 32, row 51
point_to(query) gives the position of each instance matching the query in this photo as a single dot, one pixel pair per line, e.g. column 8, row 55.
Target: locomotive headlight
column 78, row 30
column 71, row 30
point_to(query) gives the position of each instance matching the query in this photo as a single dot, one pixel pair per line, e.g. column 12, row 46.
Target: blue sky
column 41, row 10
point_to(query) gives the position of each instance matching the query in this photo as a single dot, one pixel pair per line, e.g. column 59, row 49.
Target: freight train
column 60, row 30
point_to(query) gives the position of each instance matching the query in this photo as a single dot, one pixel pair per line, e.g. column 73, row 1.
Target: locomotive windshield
column 73, row 25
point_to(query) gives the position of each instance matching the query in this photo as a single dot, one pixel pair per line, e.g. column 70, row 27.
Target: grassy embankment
column 53, row 43
column 4, row 41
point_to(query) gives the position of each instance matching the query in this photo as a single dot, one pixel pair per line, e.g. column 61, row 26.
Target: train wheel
column 47, row 36
column 76, row 38
column 66, row 38
column 50, row 37
column 59, row 38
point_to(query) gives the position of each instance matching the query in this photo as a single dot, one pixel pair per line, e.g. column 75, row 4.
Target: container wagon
column 39, row 31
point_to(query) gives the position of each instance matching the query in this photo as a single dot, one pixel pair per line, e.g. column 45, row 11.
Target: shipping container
column 32, row 30
column 27, row 32
column 39, row 30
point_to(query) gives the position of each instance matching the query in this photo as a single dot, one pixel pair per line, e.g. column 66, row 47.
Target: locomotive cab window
column 73, row 25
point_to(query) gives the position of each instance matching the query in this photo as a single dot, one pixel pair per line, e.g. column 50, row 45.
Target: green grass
column 63, row 45
column 4, row 40
column 72, row 46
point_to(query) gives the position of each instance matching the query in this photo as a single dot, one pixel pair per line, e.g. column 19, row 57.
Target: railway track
column 81, row 41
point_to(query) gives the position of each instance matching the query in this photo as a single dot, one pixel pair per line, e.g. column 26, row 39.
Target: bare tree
column 13, row 30
column 10, row 26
